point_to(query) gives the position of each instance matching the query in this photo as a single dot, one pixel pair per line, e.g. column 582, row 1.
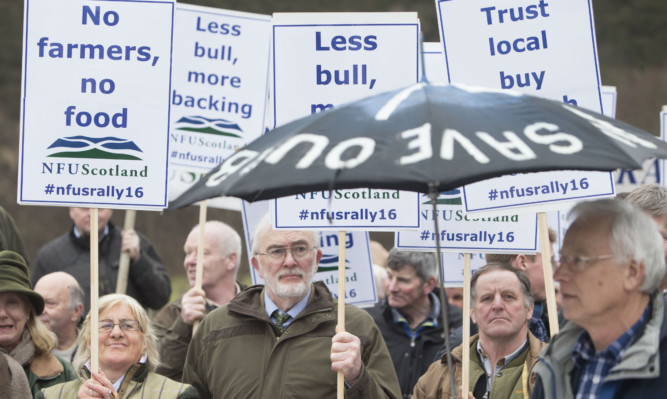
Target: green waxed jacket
column 238, row 353
column 138, row 383
column 435, row 384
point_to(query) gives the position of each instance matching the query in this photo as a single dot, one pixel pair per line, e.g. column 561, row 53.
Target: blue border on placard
column 273, row 49
column 446, row 248
column 607, row 194
column 23, row 100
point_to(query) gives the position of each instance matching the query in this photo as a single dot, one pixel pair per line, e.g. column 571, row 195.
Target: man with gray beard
column 280, row 339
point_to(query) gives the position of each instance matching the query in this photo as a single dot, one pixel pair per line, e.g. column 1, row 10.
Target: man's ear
column 232, row 261
column 530, row 312
column 429, row 285
column 77, row 313
column 635, row 275
column 255, row 265
column 519, row 262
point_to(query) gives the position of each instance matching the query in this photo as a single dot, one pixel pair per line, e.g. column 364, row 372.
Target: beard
column 290, row 290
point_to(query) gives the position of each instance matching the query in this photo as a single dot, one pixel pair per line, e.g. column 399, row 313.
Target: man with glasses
column 279, row 340
column 615, row 344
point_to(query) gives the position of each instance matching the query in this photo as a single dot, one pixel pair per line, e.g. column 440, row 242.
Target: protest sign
column 359, row 284
column 434, row 59
column 95, row 103
column 219, row 90
column 324, row 60
column 469, row 233
column 522, row 46
column 609, row 101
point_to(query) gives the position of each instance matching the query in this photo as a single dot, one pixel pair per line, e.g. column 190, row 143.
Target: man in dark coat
column 409, row 317
column 147, row 281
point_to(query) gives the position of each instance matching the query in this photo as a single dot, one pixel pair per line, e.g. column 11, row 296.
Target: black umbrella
column 427, row 138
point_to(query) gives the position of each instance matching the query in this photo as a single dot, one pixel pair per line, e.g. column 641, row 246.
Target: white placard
column 522, row 46
column 609, row 101
column 459, row 231
column 360, row 285
column 322, row 60
column 434, row 63
column 531, row 189
column 362, row 209
column 95, row 109
column 663, row 135
column 219, row 84
column 219, row 91
column 452, row 264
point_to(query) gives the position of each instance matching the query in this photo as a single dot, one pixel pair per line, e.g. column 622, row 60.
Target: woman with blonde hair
column 127, row 353
column 23, row 337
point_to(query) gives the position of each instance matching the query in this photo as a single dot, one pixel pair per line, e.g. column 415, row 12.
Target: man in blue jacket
column 615, row 345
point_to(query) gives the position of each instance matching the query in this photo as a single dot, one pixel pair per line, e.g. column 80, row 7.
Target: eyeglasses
column 124, row 325
column 577, row 264
column 278, row 255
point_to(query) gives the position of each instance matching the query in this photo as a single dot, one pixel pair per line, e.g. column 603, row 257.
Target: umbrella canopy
column 422, row 138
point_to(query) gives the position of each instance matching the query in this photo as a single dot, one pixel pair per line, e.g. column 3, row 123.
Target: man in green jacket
column 279, row 340
column 503, row 353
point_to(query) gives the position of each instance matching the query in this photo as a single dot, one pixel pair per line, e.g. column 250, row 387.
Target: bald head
column 222, row 255
column 63, row 302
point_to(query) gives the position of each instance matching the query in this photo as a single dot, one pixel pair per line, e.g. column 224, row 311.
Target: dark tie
column 281, row 318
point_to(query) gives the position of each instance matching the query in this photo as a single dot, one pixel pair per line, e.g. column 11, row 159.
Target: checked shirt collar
column 595, row 366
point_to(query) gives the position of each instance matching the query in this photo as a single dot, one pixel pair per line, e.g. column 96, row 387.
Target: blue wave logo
column 95, row 148
column 199, row 124
column 451, row 197
column 329, row 263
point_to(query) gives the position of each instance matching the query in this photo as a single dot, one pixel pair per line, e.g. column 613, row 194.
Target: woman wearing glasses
column 127, row 358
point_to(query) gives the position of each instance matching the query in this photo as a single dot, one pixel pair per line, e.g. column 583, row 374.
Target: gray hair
column 424, row 263
column 632, row 236
column 264, row 226
column 524, row 282
column 105, row 303
column 651, row 198
column 229, row 241
column 76, row 297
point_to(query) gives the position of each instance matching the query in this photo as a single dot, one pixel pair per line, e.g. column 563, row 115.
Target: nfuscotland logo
column 199, row 124
column 95, row 148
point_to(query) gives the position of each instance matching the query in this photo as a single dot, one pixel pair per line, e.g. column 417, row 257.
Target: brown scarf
column 13, row 380
column 25, row 349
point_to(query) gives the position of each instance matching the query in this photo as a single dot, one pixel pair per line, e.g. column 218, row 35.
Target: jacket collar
column 250, row 302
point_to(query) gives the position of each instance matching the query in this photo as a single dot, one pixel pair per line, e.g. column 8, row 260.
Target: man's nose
column 289, row 259
column 497, row 302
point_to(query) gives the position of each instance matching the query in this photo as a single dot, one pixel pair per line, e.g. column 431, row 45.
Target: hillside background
column 632, row 44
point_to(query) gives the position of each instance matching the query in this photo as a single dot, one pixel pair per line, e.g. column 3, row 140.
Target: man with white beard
column 280, row 339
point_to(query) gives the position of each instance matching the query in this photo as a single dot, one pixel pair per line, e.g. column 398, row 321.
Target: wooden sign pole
column 340, row 327
column 124, row 261
column 94, row 290
column 200, row 253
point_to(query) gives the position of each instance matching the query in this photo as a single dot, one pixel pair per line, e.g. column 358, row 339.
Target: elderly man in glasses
column 615, row 345
column 279, row 340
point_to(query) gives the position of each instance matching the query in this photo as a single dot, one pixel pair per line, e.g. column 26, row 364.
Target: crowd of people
column 280, row 339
